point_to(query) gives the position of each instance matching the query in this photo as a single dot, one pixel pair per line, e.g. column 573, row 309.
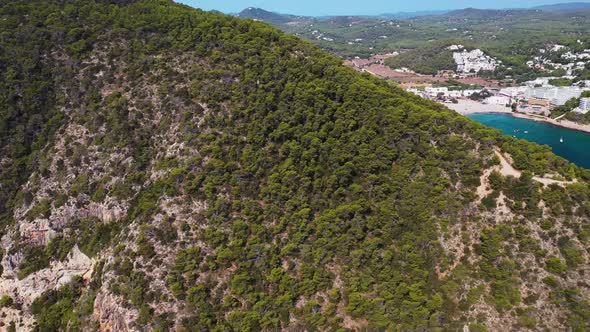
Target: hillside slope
column 164, row 168
column 565, row 7
column 429, row 59
column 266, row 16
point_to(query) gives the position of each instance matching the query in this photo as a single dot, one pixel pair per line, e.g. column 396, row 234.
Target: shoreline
column 465, row 107
column 558, row 123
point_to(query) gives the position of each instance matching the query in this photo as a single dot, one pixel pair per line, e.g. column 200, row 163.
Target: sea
column 571, row 144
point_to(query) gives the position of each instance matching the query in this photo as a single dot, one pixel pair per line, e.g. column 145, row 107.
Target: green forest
column 510, row 32
column 262, row 186
column 513, row 36
column 429, row 59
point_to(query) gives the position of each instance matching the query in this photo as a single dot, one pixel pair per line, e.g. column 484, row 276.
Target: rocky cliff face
column 25, row 291
column 74, row 164
column 197, row 170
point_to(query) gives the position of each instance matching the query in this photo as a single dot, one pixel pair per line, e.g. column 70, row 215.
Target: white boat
column 526, row 131
column 561, row 140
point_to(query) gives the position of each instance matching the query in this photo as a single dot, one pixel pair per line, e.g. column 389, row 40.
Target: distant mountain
column 475, row 13
column 346, row 20
column 564, row 7
column 467, row 13
column 413, row 14
column 267, row 16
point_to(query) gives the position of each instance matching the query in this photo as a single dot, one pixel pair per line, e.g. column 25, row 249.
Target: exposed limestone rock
column 27, row 290
column 110, row 314
column 103, row 212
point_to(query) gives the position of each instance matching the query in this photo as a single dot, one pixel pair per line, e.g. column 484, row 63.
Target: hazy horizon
column 340, row 7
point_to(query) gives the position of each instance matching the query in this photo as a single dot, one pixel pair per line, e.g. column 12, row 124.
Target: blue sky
column 358, row 7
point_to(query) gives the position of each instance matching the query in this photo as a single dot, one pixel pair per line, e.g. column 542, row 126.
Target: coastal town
column 560, row 57
column 466, row 92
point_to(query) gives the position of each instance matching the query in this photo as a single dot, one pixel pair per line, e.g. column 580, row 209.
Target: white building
column 414, row 91
column 557, row 47
column 473, row 61
column 454, row 94
column 539, row 81
column 514, row 92
column 455, row 47
column 404, row 70
column 557, row 95
column 497, row 100
column 563, row 94
column 569, row 56
column 584, row 106
column 435, row 91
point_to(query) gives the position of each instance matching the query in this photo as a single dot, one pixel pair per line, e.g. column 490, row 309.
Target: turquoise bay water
column 575, row 146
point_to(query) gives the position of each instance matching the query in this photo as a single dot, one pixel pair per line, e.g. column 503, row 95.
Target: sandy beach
column 466, row 106
column 560, row 123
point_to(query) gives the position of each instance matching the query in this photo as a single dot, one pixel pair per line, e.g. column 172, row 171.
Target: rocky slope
column 164, row 168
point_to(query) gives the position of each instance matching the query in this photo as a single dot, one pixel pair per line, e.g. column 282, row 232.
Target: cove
column 575, row 146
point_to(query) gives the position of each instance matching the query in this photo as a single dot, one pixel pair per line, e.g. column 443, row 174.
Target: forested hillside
column 267, row 17
column 429, row 59
column 165, row 168
column 509, row 33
